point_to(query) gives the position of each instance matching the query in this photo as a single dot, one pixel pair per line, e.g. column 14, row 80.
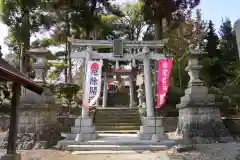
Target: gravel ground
column 218, row 151
column 58, row 155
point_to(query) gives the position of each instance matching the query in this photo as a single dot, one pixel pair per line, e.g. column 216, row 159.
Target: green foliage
column 58, row 65
column 228, row 51
column 67, row 92
column 13, row 59
column 173, row 11
column 211, row 64
column 5, row 94
column 213, row 41
column 220, row 65
column 179, row 76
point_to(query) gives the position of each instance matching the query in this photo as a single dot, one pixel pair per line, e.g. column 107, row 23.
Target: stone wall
column 35, row 119
column 4, row 122
column 40, row 119
column 37, row 127
column 169, row 124
column 233, row 125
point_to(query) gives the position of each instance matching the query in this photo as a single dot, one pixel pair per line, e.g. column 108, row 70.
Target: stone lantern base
column 200, row 119
column 11, row 157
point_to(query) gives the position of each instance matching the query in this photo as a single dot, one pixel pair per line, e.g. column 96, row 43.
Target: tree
column 228, row 51
column 13, row 59
column 229, row 63
column 133, row 26
column 79, row 19
column 228, row 44
column 155, row 11
column 212, row 40
column 211, row 64
column 23, row 19
column 190, row 32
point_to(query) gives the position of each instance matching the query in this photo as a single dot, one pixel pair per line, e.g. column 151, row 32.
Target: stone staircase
column 109, row 124
column 116, row 143
column 117, row 120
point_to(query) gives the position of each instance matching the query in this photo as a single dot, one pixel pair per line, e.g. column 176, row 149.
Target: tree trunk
column 26, row 44
column 158, row 36
column 68, row 52
column 159, row 30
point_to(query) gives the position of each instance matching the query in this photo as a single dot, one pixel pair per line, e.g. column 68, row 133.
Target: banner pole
column 155, row 97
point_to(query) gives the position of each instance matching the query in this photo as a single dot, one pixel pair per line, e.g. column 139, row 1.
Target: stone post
column 131, row 96
column 105, row 90
column 199, row 116
column 83, row 128
column 151, row 126
column 85, row 111
column 148, row 87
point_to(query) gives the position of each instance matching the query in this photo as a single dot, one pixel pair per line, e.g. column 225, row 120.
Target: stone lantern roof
column 41, row 52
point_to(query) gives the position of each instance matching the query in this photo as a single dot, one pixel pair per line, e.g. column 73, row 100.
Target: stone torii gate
column 124, row 50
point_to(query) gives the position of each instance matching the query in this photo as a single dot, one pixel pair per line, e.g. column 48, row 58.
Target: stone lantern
column 41, row 55
column 199, row 115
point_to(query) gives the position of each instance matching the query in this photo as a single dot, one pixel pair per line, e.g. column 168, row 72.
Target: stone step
column 117, row 120
column 104, row 128
column 117, row 124
column 77, row 129
column 169, row 143
column 72, row 136
column 115, row 147
column 111, row 119
column 107, row 152
column 117, row 115
column 119, row 132
column 117, row 108
column 117, row 111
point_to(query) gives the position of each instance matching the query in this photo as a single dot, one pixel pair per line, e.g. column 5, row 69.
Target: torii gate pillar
column 148, row 87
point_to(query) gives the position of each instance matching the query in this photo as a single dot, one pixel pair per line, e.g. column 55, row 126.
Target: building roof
column 10, row 73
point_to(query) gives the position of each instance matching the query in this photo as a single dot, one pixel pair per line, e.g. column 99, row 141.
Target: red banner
column 164, row 71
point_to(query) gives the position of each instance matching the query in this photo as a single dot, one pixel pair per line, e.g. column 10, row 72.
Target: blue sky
column 214, row 10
